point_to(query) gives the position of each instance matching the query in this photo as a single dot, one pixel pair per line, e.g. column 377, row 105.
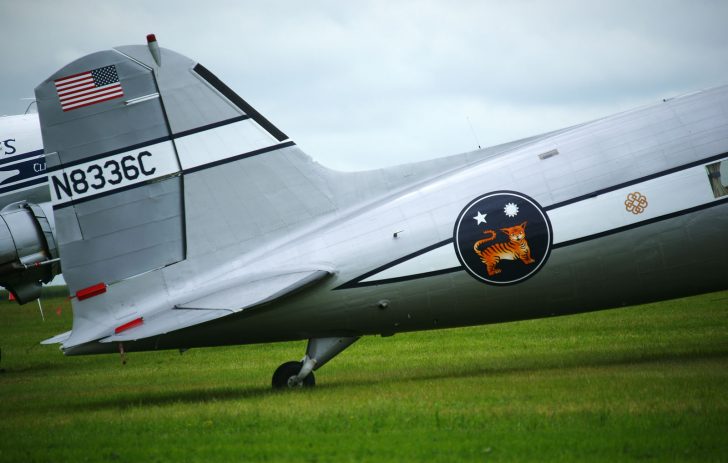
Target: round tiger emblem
column 503, row 237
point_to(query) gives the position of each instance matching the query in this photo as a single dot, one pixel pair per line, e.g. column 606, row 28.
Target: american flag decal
column 88, row 88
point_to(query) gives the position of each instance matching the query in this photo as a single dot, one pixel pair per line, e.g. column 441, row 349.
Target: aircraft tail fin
column 156, row 166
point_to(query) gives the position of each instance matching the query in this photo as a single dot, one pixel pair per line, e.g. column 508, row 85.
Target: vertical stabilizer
column 155, row 164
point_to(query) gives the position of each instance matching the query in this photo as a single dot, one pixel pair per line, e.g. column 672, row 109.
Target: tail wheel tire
column 284, row 377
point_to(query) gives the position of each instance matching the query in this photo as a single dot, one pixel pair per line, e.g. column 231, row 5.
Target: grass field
column 647, row 383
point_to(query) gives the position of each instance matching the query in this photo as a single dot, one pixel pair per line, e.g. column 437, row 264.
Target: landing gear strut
column 318, row 352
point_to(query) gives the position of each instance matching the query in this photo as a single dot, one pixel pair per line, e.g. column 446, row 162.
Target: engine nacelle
column 28, row 251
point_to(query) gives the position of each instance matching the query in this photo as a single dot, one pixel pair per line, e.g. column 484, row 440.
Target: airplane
column 29, row 256
column 22, row 163
column 184, row 218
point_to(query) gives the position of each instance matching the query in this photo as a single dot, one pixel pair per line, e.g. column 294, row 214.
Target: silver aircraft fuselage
column 184, row 218
column 396, row 264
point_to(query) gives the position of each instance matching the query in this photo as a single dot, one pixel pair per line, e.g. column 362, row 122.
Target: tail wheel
column 286, row 375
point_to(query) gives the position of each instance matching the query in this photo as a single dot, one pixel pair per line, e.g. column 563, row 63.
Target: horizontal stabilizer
column 57, row 339
column 169, row 320
column 219, row 304
column 256, row 292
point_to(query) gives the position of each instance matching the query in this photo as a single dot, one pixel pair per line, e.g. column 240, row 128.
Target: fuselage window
column 718, row 177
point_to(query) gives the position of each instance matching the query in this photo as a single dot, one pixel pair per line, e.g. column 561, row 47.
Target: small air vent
column 548, row 154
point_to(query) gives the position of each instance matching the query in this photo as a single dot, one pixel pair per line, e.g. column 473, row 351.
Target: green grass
column 648, row 383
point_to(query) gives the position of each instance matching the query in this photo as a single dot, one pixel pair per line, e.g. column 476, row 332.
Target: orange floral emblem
column 636, row 203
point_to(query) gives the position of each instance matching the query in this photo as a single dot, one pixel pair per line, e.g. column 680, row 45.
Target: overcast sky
column 366, row 84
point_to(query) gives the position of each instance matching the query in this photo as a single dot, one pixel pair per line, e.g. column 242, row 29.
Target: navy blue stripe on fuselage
column 20, row 157
column 22, row 171
column 357, row 282
column 618, row 186
column 35, row 181
column 661, row 218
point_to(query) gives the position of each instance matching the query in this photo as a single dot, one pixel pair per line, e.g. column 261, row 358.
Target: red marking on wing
column 129, row 325
column 91, row 291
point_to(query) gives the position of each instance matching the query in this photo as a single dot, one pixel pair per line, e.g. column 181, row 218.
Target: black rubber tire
column 288, row 369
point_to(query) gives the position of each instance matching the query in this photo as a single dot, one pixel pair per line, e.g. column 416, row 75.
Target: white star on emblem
column 480, row 218
column 511, row 210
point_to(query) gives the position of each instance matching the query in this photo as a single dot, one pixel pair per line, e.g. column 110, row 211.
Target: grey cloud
column 372, row 83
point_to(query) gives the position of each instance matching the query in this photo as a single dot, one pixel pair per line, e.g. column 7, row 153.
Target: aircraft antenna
column 40, row 307
column 30, row 104
column 477, row 142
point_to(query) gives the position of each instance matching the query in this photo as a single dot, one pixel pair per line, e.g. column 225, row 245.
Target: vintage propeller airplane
column 28, row 253
column 184, row 218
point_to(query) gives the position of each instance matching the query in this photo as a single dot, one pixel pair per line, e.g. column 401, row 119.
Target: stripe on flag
column 88, row 88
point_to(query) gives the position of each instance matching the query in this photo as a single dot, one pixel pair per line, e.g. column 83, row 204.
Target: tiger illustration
column 515, row 248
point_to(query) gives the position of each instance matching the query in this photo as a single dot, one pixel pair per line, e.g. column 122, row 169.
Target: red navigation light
column 154, row 49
